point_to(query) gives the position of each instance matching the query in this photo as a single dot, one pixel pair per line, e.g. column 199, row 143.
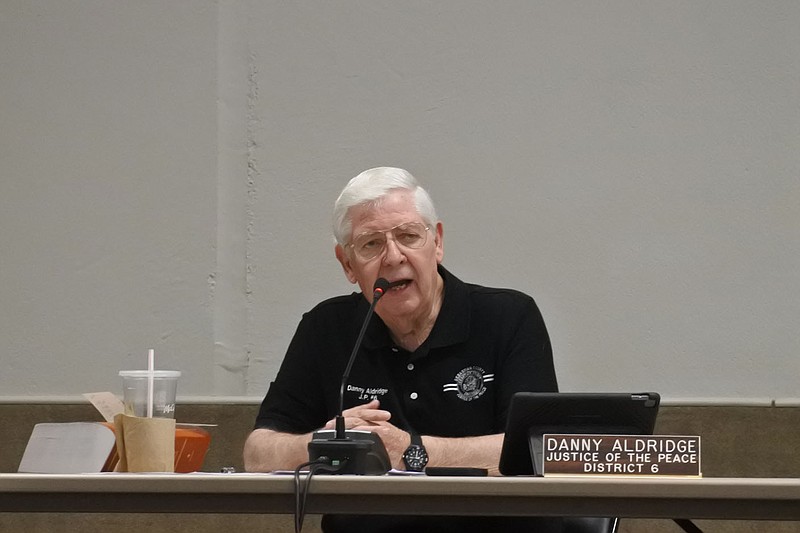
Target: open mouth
column 399, row 284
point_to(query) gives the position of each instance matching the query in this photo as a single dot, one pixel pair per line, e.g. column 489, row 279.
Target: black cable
column 687, row 525
column 301, row 490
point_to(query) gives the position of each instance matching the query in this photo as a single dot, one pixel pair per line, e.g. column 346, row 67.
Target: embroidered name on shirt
column 470, row 383
column 368, row 393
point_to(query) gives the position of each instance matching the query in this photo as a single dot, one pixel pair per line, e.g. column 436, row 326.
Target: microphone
column 354, row 452
column 378, row 290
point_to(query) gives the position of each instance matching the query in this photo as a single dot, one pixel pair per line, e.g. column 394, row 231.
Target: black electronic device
column 531, row 415
column 360, row 452
column 349, row 451
column 456, row 471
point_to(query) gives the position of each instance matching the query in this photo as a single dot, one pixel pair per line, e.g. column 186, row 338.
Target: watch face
column 415, row 458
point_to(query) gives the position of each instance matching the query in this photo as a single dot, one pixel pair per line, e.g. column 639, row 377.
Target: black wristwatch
column 415, row 457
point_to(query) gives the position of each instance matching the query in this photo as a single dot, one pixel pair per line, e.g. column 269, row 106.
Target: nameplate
column 621, row 455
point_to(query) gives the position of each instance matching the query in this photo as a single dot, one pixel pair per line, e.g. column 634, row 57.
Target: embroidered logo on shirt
column 470, row 383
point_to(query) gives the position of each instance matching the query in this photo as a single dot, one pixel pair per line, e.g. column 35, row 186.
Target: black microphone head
column 380, row 287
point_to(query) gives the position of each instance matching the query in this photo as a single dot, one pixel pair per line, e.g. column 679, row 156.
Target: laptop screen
column 534, row 414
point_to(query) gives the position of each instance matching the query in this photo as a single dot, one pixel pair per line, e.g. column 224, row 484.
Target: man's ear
column 344, row 260
column 439, row 242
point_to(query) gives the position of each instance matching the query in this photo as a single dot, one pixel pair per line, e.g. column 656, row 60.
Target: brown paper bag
column 145, row 444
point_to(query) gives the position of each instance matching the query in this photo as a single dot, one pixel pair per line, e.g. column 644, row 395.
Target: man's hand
column 368, row 417
column 359, row 416
column 481, row 451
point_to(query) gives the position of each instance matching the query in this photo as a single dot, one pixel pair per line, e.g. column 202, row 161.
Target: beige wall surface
column 107, row 192
column 167, row 171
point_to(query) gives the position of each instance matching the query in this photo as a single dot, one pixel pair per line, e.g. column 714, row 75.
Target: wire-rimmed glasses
column 369, row 245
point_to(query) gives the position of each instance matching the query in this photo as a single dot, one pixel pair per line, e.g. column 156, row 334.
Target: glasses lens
column 410, row 235
column 369, row 245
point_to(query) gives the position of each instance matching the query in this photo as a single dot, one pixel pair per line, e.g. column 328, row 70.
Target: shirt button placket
column 410, row 367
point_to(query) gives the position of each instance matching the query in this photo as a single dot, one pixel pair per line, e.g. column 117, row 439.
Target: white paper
column 105, row 402
column 67, row 448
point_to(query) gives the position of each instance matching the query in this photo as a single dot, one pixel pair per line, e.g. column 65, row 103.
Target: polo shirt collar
column 451, row 327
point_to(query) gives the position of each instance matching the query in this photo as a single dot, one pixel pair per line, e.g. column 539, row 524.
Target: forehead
column 395, row 208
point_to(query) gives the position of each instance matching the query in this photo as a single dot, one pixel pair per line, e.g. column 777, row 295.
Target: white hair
column 370, row 187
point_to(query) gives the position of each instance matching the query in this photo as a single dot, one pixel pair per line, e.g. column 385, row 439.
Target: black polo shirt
column 486, row 345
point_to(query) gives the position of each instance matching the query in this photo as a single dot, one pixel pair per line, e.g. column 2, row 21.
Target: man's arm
column 480, row 452
column 266, row 450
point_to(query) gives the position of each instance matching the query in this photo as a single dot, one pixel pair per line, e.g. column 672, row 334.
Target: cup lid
column 145, row 373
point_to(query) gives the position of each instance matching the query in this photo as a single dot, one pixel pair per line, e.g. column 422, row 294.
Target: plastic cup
column 134, row 392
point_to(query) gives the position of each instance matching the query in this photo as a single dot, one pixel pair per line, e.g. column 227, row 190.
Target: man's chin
column 396, row 307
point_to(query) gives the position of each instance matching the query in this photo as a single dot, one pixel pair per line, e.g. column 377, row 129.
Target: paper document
column 71, row 448
column 105, row 402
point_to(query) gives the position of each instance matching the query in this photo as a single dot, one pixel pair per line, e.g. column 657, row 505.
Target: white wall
column 107, row 192
column 169, row 176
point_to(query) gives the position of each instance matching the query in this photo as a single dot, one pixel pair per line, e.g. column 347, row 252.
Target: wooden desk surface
column 712, row 498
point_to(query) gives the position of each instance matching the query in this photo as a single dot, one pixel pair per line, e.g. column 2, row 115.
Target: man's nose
column 392, row 254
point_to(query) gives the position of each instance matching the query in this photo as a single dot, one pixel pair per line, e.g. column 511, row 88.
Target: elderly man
column 438, row 365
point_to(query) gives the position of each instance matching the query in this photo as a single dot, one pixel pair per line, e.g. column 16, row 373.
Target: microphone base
column 360, row 452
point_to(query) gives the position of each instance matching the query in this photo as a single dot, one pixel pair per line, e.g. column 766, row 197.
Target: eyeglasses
column 369, row 245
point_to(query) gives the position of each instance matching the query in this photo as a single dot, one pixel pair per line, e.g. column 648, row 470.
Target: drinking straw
column 150, row 375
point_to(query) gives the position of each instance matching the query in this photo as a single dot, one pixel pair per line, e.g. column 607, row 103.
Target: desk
column 708, row 498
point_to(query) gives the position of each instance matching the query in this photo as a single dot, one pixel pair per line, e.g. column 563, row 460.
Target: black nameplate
column 622, row 455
